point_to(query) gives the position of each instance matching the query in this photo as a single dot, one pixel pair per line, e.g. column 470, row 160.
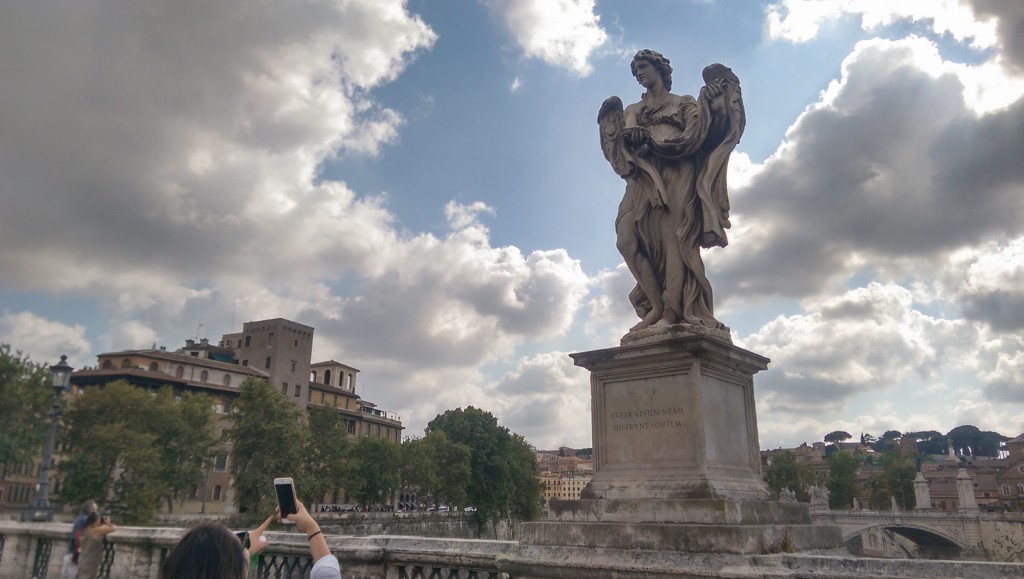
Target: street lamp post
column 40, row 509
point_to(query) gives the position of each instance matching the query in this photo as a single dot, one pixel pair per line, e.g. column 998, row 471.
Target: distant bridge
column 939, row 535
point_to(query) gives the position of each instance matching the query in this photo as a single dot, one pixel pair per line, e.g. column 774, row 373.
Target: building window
column 245, row 362
column 270, row 339
column 327, row 376
column 227, row 379
column 239, row 342
column 180, row 372
column 284, row 388
column 266, row 363
column 216, row 493
column 247, row 341
column 295, row 344
column 220, row 464
column 293, row 365
column 126, row 363
column 227, row 407
column 312, row 376
column 1020, row 489
column 351, row 427
column 298, row 389
column 153, row 367
column 323, row 396
column 203, row 376
column 107, row 365
column 1006, row 490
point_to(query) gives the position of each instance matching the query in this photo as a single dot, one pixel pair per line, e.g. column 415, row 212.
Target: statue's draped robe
column 675, row 194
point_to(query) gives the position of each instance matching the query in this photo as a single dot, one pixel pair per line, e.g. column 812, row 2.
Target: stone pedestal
column 676, row 457
column 674, row 419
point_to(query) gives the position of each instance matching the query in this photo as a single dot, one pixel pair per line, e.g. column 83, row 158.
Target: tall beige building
column 281, row 348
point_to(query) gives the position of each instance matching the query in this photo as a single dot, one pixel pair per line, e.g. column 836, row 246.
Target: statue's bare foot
column 652, row 316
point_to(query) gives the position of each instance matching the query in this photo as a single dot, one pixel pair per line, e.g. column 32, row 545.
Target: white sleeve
column 326, row 568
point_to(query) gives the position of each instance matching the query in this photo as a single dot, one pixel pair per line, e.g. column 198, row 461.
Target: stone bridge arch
column 932, row 542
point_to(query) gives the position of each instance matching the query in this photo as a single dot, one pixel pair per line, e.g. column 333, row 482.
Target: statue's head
column 659, row 62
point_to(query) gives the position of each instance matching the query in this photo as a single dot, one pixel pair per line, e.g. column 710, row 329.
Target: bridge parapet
column 28, row 549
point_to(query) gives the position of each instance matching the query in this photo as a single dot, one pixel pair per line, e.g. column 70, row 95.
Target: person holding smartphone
column 325, row 565
column 212, row 551
column 291, row 510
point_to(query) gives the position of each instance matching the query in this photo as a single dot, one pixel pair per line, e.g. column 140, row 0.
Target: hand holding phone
column 286, row 499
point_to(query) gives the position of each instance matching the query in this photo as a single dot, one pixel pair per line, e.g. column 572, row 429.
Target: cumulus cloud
column 131, row 131
column 562, row 33
column 547, row 399
column 45, row 340
column 888, row 174
column 867, row 339
column 801, row 21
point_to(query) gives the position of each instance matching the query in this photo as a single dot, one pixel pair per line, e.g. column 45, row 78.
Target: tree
column 324, row 456
column 112, row 452
column 373, row 476
column 929, row 441
column 499, row 464
column 842, row 479
column 184, row 427
column 25, row 401
column 975, row 441
column 267, row 441
column 899, row 472
column 438, row 468
column 887, row 442
column 787, row 472
column 527, row 490
column 837, row 436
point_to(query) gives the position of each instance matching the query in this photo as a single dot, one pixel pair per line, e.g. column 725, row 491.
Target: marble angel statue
column 673, row 152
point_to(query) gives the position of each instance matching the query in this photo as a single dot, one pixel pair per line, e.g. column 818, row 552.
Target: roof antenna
column 198, row 328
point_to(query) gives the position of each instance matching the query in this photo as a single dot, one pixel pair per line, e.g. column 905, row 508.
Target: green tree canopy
column 26, row 397
column 129, row 448
column 438, row 468
column 899, row 472
column 267, row 442
column 503, row 479
column 373, row 474
column 787, row 472
column 837, row 436
column 325, row 455
column 187, row 439
column 842, row 479
column 973, row 439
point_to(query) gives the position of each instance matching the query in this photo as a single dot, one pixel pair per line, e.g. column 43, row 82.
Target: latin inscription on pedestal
column 645, row 422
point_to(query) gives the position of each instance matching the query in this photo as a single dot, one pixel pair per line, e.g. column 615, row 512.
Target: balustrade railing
column 36, row 550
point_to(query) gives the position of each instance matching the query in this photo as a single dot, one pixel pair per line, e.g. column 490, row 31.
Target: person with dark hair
column 96, row 527
column 70, row 568
column 212, row 551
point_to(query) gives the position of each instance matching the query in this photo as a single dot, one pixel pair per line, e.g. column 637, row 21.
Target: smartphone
column 285, row 489
column 243, row 536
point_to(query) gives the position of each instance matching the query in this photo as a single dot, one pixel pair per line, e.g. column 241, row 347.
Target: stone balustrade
column 33, row 550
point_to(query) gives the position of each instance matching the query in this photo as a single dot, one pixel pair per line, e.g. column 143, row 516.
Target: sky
column 422, row 183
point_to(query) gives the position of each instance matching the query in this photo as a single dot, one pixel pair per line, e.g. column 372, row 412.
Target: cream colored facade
column 563, row 486
column 276, row 350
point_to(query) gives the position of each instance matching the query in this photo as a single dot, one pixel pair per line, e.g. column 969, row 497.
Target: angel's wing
column 610, row 121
